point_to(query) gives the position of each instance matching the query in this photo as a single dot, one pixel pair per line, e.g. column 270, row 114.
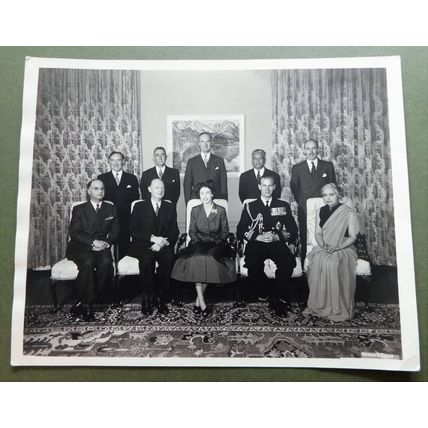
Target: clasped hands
column 329, row 249
column 99, row 245
column 158, row 243
column 267, row 237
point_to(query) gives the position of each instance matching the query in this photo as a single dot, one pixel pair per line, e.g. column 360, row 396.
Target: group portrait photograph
column 214, row 213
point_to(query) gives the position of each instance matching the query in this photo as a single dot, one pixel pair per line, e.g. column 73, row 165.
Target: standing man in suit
column 249, row 181
column 307, row 179
column 205, row 167
column 154, row 233
column 121, row 188
column 94, row 228
column 271, row 232
column 169, row 176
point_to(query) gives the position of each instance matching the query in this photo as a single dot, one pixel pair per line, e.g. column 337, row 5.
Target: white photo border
column 405, row 261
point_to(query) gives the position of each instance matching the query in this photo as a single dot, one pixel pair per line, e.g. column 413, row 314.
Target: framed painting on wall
column 228, row 139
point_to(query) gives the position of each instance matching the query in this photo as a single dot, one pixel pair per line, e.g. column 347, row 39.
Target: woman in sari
column 331, row 268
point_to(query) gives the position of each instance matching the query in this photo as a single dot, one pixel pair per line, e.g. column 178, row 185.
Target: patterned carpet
column 230, row 331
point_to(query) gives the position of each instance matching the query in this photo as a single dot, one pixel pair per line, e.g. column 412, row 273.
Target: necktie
column 117, row 179
column 313, row 170
column 98, row 208
column 206, row 160
column 258, row 177
column 267, row 204
column 160, row 173
column 157, row 209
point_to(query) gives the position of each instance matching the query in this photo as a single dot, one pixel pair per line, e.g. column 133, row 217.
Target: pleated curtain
column 82, row 116
column 346, row 110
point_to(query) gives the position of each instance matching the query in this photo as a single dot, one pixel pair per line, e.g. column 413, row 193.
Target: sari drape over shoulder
column 331, row 277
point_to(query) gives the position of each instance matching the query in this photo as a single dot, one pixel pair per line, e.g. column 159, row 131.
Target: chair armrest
column 297, row 248
column 181, row 242
column 231, row 246
column 361, row 247
column 241, row 247
column 115, row 255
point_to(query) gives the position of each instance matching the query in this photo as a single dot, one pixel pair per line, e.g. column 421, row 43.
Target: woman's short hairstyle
column 335, row 187
column 209, row 184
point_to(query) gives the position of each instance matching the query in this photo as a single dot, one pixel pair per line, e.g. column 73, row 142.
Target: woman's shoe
column 196, row 310
column 206, row 311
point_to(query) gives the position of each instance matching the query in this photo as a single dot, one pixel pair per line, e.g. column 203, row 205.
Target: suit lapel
column 166, row 173
column 112, row 178
column 161, row 216
column 150, row 214
column 90, row 210
column 253, row 177
column 307, row 171
column 124, row 180
column 320, row 171
column 212, row 214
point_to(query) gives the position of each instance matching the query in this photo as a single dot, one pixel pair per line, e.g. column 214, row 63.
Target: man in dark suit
column 121, row 188
column 154, row 232
column 94, row 228
column 307, row 179
column 203, row 168
column 249, row 181
column 271, row 232
column 169, row 176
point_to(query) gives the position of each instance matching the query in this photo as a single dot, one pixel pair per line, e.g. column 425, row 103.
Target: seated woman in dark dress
column 203, row 261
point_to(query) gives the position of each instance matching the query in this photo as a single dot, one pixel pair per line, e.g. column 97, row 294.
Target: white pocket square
column 109, row 218
column 128, row 186
column 324, row 175
column 217, row 167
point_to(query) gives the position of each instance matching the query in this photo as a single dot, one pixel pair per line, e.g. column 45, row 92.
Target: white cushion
column 64, row 270
column 312, row 205
column 362, row 268
column 128, row 266
column 270, row 268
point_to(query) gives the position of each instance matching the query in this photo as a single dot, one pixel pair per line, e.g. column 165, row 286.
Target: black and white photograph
column 214, row 213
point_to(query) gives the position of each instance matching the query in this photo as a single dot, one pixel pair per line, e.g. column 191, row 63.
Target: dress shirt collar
column 208, row 155
column 264, row 200
column 315, row 161
column 94, row 204
column 115, row 173
column 262, row 171
column 154, row 204
column 158, row 168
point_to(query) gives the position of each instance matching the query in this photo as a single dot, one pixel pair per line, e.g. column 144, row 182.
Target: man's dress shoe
column 146, row 307
column 162, row 308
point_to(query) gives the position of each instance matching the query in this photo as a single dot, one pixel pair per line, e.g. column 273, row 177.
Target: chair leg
column 239, row 300
column 366, row 289
column 116, row 300
column 176, row 297
column 52, row 287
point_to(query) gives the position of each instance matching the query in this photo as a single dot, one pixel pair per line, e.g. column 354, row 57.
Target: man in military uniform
column 271, row 232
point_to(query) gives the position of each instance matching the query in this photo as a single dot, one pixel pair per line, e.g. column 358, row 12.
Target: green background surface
column 415, row 84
